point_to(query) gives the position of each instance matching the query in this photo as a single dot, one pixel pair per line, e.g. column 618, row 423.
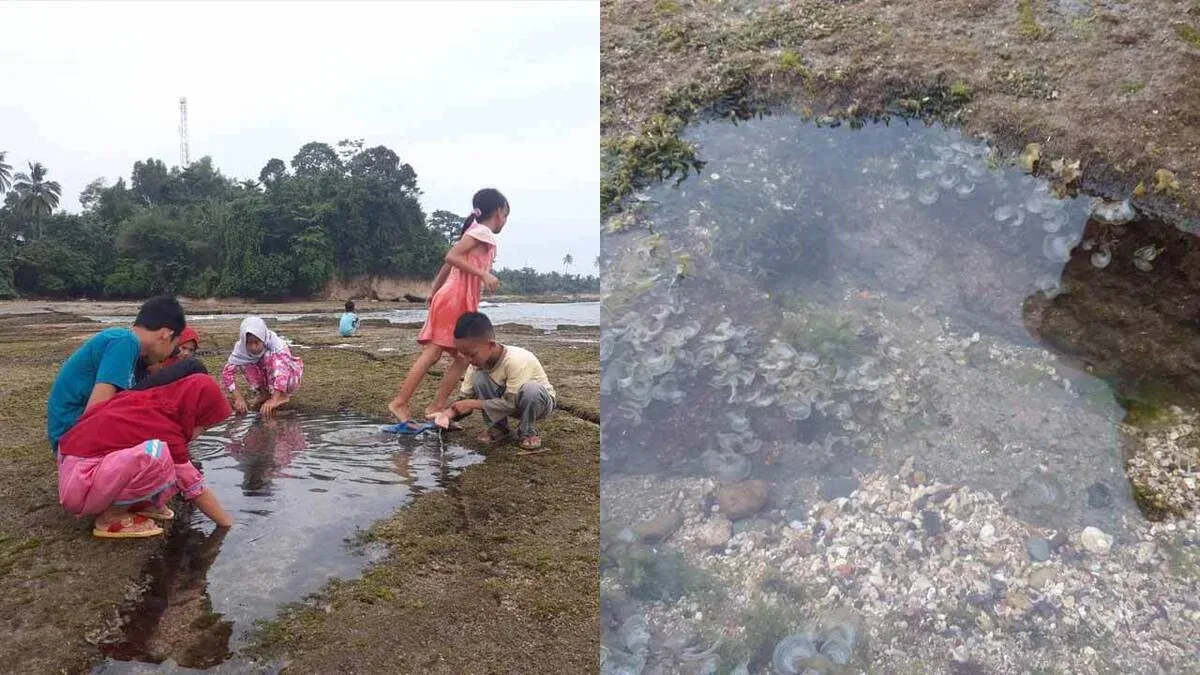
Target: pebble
column 1040, row 577
column 1018, row 600
column 659, row 527
column 1095, row 541
column 931, row 522
column 1039, row 549
column 742, row 500
column 716, row 532
column 987, row 533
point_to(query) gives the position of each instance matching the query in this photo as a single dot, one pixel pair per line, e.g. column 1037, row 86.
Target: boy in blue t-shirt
column 349, row 323
column 104, row 365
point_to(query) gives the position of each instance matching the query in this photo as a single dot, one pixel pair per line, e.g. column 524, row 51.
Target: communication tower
column 183, row 133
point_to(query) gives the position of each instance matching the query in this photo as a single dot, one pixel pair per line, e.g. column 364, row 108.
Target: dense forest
column 191, row 231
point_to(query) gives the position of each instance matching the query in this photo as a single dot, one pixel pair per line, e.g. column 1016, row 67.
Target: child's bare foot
column 494, row 436
column 400, row 410
column 151, row 511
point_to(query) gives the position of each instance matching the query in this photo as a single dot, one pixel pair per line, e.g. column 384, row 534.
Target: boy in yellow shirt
column 505, row 381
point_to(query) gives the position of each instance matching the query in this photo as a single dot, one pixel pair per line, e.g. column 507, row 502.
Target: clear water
column 823, row 304
column 299, row 488
column 537, row 315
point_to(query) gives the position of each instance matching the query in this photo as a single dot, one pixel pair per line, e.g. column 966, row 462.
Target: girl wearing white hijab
column 271, row 371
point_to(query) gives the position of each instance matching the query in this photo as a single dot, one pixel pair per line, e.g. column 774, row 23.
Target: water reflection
column 265, row 451
column 830, row 352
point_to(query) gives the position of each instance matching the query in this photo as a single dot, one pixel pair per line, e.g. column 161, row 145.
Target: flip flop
column 122, row 529
column 529, row 448
column 409, row 428
column 157, row 513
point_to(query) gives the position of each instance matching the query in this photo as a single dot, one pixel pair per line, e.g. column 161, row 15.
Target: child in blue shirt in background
column 104, row 365
column 349, row 323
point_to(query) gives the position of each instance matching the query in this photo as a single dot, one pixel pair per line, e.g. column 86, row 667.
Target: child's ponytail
column 469, row 222
column 485, row 202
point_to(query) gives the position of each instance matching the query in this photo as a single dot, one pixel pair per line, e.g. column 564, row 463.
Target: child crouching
column 271, row 370
column 505, row 381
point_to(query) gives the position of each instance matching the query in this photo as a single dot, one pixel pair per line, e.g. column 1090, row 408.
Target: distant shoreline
column 242, row 305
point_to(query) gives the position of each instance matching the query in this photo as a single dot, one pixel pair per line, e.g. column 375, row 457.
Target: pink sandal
column 128, row 527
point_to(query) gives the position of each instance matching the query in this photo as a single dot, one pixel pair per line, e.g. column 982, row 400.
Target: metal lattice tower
column 183, row 133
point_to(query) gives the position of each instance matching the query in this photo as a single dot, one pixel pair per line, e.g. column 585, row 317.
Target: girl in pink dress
column 456, row 291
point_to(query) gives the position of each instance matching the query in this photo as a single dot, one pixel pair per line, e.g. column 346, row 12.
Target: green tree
column 567, row 262
column 448, row 224
column 36, row 196
column 316, row 159
column 5, row 173
column 273, row 173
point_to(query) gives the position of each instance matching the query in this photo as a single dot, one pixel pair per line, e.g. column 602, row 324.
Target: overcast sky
column 471, row 94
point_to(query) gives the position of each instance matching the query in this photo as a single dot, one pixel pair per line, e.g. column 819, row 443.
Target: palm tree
column 5, row 173
column 567, row 260
column 37, row 196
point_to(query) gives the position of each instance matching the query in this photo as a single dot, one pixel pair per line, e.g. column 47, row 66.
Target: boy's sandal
column 155, row 512
column 531, row 445
column 128, row 527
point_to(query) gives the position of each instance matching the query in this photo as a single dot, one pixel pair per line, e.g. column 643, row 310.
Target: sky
column 471, row 94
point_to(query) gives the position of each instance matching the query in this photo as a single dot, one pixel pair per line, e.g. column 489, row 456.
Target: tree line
column 344, row 211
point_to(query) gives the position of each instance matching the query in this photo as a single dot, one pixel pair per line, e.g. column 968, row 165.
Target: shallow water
column 299, row 488
column 822, row 304
column 537, row 315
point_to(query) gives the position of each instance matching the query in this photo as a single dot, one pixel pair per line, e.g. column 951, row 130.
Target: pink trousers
column 89, row 485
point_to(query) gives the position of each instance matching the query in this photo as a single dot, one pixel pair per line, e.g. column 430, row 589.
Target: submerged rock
column 659, row 527
column 1038, row 549
column 1095, row 541
column 742, row 500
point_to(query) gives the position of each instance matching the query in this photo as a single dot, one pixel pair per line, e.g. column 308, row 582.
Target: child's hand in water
column 490, row 281
column 239, row 404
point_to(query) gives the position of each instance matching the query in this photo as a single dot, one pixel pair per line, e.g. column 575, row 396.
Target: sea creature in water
column 928, row 195
column 1101, row 258
column 947, row 181
column 1049, row 285
column 726, row 467
column 1113, row 213
column 1009, row 215
column 1058, row 248
column 792, row 651
column 1143, row 258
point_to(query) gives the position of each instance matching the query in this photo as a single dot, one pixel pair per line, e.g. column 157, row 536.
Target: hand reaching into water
column 239, row 404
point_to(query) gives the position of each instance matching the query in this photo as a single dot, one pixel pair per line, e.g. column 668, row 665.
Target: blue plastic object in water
column 409, row 428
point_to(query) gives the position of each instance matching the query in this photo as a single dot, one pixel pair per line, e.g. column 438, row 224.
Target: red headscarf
column 187, row 334
column 171, row 413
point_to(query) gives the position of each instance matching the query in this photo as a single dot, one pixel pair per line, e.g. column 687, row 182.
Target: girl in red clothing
column 456, row 291
column 127, row 456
